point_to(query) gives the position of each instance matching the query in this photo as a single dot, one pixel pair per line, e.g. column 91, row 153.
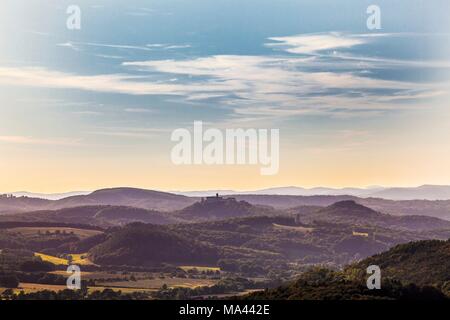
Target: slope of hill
column 350, row 212
column 144, row 245
column 132, row 197
column 323, row 284
column 425, row 192
column 161, row 201
column 286, row 202
column 317, row 242
column 439, row 208
column 139, row 198
column 94, row 215
column 13, row 204
column 49, row 196
column 222, row 208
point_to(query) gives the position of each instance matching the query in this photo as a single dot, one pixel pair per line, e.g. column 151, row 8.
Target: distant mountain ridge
column 97, row 215
column 130, row 197
column 424, row 192
column 169, row 202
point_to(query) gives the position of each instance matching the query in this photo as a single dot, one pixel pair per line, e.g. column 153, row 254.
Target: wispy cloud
column 129, row 132
column 40, row 141
column 313, row 43
column 138, row 110
column 315, row 77
column 79, row 46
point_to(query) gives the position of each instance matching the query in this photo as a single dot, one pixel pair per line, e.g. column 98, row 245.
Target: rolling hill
column 222, row 208
column 424, row 192
column 13, row 204
column 163, row 201
column 133, row 197
column 422, row 263
column 93, row 215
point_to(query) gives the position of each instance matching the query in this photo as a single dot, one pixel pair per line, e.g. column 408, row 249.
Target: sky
column 95, row 107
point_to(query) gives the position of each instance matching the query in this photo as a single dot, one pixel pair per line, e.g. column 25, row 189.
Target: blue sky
column 138, row 69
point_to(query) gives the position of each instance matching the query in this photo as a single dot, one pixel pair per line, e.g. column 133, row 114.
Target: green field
column 36, row 231
column 36, row 287
column 199, row 268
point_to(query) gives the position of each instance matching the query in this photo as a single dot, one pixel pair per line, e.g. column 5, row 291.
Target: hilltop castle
column 216, row 198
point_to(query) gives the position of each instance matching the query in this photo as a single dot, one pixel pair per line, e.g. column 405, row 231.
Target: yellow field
column 33, row 231
column 52, row 259
column 78, row 259
column 199, row 268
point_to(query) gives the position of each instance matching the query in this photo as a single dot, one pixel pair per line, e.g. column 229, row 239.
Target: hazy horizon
column 224, row 189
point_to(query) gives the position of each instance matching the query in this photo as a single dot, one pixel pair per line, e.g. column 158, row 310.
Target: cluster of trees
column 227, row 285
column 144, row 245
column 9, row 281
column 422, row 263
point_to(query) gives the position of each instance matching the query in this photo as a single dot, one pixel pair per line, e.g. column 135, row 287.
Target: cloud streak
column 308, row 80
column 314, row 43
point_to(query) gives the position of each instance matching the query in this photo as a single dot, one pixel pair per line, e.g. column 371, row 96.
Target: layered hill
column 163, row 201
column 438, row 208
column 324, row 284
column 424, row 192
column 13, row 204
column 93, row 215
column 421, row 263
column 133, row 197
column 222, row 208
